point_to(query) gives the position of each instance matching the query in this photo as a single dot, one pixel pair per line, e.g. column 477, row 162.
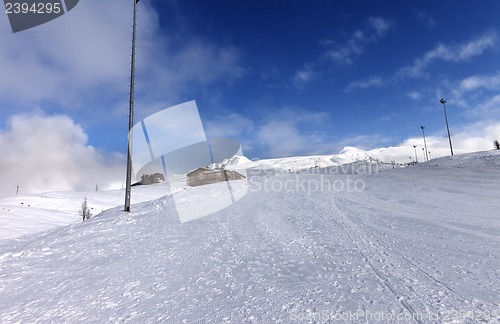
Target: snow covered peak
column 351, row 154
column 235, row 162
column 349, row 149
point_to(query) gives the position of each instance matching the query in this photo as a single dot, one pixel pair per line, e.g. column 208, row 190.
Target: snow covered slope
column 417, row 244
column 26, row 214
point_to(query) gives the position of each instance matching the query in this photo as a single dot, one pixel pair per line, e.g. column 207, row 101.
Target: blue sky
column 282, row 77
column 311, row 77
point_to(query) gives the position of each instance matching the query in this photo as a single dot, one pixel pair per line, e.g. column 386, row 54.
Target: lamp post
column 416, row 158
column 128, row 180
column 443, row 101
column 425, row 143
column 423, row 154
column 430, row 158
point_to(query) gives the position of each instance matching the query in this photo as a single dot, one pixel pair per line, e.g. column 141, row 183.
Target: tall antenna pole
column 443, row 101
column 128, row 185
column 425, row 143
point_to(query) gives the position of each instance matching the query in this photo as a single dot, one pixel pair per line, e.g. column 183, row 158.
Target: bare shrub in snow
column 85, row 210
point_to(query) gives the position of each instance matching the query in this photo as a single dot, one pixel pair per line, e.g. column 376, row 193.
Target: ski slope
column 28, row 214
column 419, row 244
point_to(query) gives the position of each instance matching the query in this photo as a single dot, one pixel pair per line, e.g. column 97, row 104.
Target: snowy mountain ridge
column 346, row 156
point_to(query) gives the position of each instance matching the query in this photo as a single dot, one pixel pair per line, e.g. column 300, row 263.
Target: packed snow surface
column 418, row 244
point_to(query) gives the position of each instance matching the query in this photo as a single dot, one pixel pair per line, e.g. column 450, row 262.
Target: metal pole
column 443, row 101
column 128, row 184
column 416, row 158
column 425, row 143
column 423, row 153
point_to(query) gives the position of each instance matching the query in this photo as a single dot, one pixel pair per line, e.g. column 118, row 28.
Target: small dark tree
column 85, row 210
column 497, row 144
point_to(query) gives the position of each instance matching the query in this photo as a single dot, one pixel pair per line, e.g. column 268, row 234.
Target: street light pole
column 425, row 143
column 416, row 158
column 128, row 184
column 443, row 101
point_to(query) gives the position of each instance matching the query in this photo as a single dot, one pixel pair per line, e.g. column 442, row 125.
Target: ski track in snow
column 417, row 242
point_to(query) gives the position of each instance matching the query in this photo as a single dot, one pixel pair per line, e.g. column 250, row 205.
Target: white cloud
column 288, row 132
column 305, row 75
column 475, row 137
column 450, row 53
column 477, row 96
column 364, row 141
column 64, row 59
column 345, row 53
column 283, row 138
column 373, row 81
column 47, row 153
column 387, row 117
column 380, row 25
column 491, row 82
column 230, row 125
column 278, row 132
column 425, row 18
column 203, row 62
column 294, row 131
column 486, row 109
column 82, row 60
column 447, row 53
column 415, row 95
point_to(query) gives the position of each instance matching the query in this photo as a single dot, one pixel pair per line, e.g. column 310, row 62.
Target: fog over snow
column 41, row 153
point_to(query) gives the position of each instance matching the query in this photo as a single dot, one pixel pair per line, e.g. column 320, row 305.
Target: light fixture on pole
column 443, row 101
column 128, row 184
column 416, row 158
column 423, row 153
column 425, row 143
column 430, row 157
